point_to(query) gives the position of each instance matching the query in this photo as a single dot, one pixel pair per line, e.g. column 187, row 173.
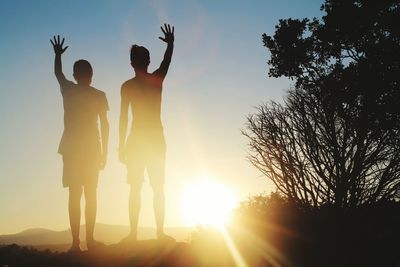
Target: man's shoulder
column 66, row 85
column 129, row 83
column 97, row 91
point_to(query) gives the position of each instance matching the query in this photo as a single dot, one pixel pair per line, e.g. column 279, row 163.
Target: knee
column 158, row 190
column 90, row 194
column 135, row 189
column 75, row 193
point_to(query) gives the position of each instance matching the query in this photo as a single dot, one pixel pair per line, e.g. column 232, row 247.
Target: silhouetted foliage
column 328, row 236
column 335, row 140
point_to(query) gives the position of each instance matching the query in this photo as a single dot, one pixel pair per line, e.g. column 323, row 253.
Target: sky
column 218, row 75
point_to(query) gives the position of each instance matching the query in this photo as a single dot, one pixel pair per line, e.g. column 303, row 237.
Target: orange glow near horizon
column 206, row 202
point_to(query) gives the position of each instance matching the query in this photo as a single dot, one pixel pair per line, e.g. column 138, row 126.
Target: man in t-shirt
column 83, row 150
column 145, row 146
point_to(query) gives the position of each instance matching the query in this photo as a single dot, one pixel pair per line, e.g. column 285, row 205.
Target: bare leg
column 74, row 208
column 134, row 207
column 159, row 208
column 90, row 212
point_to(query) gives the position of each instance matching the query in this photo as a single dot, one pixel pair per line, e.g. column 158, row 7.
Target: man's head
column 83, row 72
column 140, row 57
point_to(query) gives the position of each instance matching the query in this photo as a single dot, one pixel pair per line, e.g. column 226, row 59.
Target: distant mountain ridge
column 106, row 233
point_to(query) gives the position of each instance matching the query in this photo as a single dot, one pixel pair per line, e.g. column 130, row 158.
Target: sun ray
column 264, row 248
column 237, row 257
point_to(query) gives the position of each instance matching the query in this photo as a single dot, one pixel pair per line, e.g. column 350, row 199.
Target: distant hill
column 109, row 234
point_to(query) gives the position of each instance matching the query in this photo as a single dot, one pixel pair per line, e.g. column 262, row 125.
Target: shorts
column 146, row 153
column 80, row 172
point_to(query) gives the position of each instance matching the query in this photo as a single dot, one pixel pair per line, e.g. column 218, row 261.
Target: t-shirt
column 82, row 106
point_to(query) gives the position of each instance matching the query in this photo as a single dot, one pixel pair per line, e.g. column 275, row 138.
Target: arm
column 169, row 39
column 123, row 124
column 58, row 51
column 105, row 127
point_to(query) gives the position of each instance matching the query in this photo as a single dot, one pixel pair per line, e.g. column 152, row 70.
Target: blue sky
column 217, row 76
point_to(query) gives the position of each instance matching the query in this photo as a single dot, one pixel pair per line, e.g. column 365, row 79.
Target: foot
column 75, row 249
column 93, row 244
column 129, row 240
column 161, row 236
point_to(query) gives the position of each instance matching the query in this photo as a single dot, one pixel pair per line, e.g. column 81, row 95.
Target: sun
column 206, row 202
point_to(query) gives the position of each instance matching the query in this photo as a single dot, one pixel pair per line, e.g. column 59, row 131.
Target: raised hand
column 58, row 45
column 168, row 34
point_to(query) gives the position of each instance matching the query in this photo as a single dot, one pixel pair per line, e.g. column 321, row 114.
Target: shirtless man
column 145, row 146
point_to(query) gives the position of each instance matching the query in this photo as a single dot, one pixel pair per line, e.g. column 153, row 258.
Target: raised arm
column 123, row 124
column 58, row 51
column 169, row 39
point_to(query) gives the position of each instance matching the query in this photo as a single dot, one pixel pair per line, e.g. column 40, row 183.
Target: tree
column 335, row 139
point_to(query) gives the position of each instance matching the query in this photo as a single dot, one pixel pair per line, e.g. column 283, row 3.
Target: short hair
column 140, row 56
column 82, row 69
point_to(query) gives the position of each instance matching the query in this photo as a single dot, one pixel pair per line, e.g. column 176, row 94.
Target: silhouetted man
column 145, row 146
column 83, row 154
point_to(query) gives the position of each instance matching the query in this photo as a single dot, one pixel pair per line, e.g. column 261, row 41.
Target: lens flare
column 206, row 202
